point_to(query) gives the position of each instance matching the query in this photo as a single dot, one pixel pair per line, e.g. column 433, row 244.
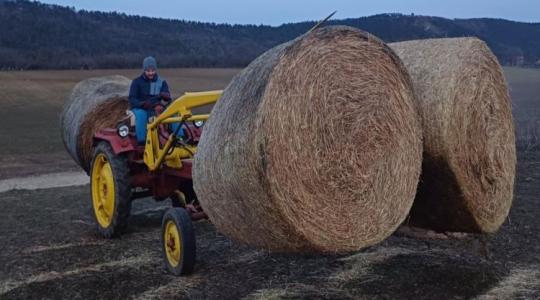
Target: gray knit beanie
column 149, row 63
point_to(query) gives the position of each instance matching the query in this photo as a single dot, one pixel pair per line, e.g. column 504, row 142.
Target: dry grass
column 106, row 115
column 32, row 101
column 315, row 146
column 525, row 91
column 94, row 103
column 515, row 285
column 528, row 131
column 469, row 144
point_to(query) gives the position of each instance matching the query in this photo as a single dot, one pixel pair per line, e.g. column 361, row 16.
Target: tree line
column 44, row 36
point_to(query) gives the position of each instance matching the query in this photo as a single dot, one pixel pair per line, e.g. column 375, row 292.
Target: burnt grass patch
column 107, row 283
column 49, row 249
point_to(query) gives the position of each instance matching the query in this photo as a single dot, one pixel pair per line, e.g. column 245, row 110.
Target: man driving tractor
column 148, row 96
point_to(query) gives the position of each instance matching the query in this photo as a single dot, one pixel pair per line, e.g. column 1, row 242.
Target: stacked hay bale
column 469, row 145
column 315, row 146
column 94, row 103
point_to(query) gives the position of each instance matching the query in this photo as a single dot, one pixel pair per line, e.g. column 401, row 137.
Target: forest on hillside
column 44, row 36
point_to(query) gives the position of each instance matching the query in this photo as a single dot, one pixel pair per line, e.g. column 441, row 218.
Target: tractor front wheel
column 178, row 240
column 111, row 192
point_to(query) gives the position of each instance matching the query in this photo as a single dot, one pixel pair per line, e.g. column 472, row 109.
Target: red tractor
column 122, row 171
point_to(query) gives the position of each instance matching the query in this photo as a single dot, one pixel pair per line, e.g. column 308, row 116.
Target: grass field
column 525, row 91
column 49, row 247
column 524, row 88
column 31, row 102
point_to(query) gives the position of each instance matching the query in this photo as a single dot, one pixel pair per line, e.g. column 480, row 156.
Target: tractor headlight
column 198, row 124
column 123, row 130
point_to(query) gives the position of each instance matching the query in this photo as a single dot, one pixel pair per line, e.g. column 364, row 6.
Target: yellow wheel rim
column 103, row 190
column 172, row 239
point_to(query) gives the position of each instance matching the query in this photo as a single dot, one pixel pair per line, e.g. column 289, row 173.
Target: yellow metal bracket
column 178, row 111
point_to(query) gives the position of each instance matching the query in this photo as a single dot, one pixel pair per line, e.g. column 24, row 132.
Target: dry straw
column 469, row 145
column 315, row 146
column 94, row 103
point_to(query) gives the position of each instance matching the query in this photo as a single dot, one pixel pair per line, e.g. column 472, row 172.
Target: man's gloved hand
column 165, row 96
column 159, row 109
column 147, row 104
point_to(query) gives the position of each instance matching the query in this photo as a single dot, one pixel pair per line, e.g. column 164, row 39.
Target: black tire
column 122, row 190
column 185, row 260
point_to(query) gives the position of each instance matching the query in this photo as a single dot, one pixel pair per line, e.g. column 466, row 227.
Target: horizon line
column 73, row 8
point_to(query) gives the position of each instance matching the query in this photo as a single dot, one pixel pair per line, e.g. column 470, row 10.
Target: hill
column 43, row 36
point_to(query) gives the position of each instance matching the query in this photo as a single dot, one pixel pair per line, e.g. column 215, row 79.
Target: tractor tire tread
column 184, row 224
column 120, row 169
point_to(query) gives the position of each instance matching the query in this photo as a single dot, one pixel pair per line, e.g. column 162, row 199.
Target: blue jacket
column 143, row 89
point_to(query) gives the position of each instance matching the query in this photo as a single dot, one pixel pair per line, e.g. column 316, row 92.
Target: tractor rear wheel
column 111, row 191
column 178, row 240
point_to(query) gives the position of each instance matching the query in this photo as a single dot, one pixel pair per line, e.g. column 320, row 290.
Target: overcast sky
column 275, row 12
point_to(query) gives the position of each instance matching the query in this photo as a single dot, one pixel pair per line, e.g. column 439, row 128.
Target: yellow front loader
column 122, row 171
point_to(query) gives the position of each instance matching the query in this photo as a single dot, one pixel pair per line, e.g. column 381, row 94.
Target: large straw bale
column 94, row 103
column 469, row 145
column 315, row 146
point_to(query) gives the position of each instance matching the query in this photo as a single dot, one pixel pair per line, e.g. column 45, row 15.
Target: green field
column 31, row 102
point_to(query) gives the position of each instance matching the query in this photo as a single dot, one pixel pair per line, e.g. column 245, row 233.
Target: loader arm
column 178, row 111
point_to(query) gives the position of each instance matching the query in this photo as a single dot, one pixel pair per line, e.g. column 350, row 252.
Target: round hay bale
column 314, row 147
column 469, row 160
column 94, row 103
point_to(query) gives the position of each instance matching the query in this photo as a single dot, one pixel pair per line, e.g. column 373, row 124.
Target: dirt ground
column 49, row 249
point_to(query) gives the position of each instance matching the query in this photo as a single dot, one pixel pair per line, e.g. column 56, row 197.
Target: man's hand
column 165, row 96
column 159, row 109
column 147, row 104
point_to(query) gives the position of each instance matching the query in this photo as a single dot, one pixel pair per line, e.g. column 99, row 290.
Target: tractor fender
column 118, row 144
